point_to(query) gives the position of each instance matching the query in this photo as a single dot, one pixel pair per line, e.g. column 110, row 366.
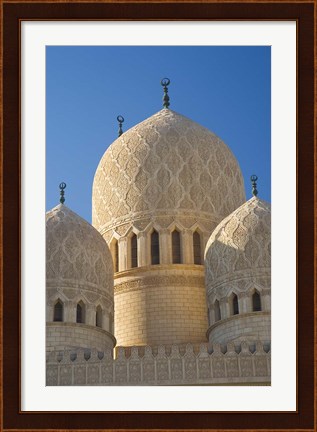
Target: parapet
column 245, row 364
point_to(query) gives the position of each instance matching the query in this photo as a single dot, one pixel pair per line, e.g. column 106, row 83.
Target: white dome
column 164, row 165
column 238, row 275
column 240, row 246
column 79, row 280
column 76, row 254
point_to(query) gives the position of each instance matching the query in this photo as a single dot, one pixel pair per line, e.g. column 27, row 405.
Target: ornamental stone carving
column 166, row 164
column 76, row 252
column 240, row 247
column 238, row 265
column 166, row 365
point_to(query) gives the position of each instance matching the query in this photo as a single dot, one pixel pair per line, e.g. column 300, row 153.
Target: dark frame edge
column 8, row 198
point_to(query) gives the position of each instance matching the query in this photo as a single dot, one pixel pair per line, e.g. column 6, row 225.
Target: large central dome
column 166, row 165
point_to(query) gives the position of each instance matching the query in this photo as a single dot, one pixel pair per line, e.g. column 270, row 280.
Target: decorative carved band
column 159, row 281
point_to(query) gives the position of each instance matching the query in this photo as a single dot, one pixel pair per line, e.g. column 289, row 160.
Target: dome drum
column 250, row 300
column 68, row 335
column 161, row 304
column 98, row 313
column 252, row 327
column 135, row 248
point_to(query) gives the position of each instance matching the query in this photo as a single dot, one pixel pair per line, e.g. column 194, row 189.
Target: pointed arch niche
column 155, row 247
column 234, row 304
column 58, row 314
column 197, row 248
column 256, row 302
column 99, row 316
column 134, row 250
column 80, row 312
column 176, row 247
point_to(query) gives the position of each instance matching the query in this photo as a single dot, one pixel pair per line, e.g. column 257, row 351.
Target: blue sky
column 226, row 89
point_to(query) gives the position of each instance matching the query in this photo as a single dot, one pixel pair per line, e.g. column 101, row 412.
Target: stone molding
column 158, row 280
column 145, row 222
column 72, row 292
column 247, row 364
column 241, row 279
column 138, row 271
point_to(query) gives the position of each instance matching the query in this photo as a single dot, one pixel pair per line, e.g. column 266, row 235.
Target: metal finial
column 166, row 100
column 120, row 120
column 254, row 189
column 62, row 186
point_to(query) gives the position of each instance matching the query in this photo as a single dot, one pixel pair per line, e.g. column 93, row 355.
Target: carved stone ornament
column 239, row 247
column 166, row 162
column 76, row 254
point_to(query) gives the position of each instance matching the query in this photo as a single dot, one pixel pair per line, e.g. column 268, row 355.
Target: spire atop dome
column 254, row 180
column 62, row 186
column 120, row 120
column 166, row 100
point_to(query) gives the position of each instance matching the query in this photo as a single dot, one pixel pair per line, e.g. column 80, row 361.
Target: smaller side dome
column 75, row 251
column 79, row 284
column 241, row 242
column 238, row 275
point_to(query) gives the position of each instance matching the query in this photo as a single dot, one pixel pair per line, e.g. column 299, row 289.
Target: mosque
column 171, row 284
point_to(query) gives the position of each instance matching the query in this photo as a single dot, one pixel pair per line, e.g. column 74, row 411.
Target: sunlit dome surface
column 240, row 243
column 166, row 164
column 76, row 254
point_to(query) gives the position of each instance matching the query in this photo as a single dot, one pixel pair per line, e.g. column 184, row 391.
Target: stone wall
column 247, row 364
column 161, row 304
column 252, row 326
column 60, row 335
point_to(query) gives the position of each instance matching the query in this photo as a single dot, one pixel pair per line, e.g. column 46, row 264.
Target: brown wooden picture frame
column 12, row 13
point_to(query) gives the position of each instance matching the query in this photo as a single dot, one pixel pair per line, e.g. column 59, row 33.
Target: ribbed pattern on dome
column 166, row 164
column 75, row 251
column 242, row 241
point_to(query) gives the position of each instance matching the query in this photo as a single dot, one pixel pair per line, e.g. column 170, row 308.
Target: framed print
column 42, row 43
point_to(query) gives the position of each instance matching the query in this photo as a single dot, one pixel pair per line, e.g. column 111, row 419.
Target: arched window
column 176, row 247
column 98, row 317
column 58, row 311
column 256, row 302
column 197, row 248
column 115, row 256
column 80, row 313
column 155, row 248
column 134, row 251
column 235, row 305
column 217, row 311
